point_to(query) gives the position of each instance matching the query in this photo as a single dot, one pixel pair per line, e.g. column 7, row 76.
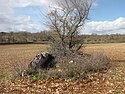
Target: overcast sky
column 106, row 16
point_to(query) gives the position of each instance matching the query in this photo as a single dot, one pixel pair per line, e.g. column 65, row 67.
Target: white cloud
column 105, row 27
column 9, row 21
column 17, row 23
column 23, row 3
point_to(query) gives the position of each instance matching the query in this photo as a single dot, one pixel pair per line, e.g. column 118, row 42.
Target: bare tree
column 66, row 20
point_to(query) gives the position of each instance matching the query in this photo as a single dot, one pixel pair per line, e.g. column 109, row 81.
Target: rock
column 41, row 61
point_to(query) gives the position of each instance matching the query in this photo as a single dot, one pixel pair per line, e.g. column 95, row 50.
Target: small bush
column 98, row 62
column 79, row 67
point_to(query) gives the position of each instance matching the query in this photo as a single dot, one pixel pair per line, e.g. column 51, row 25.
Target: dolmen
column 41, row 62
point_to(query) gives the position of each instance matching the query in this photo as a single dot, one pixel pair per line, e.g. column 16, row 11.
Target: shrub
column 98, row 62
column 79, row 67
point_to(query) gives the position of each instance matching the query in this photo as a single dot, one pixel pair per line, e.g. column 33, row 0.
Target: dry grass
column 24, row 53
column 110, row 82
column 15, row 53
column 14, row 58
column 115, row 51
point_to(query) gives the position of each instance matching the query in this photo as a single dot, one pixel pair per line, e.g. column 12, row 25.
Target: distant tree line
column 113, row 38
column 23, row 37
column 45, row 37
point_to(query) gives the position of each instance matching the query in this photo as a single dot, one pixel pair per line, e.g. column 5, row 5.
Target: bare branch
column 67, row 19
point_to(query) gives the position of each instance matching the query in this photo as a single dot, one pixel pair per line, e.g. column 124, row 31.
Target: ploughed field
column 109, row 82
column 115, row 51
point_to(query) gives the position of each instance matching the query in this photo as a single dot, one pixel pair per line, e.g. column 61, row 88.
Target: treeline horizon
column 44, row 37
